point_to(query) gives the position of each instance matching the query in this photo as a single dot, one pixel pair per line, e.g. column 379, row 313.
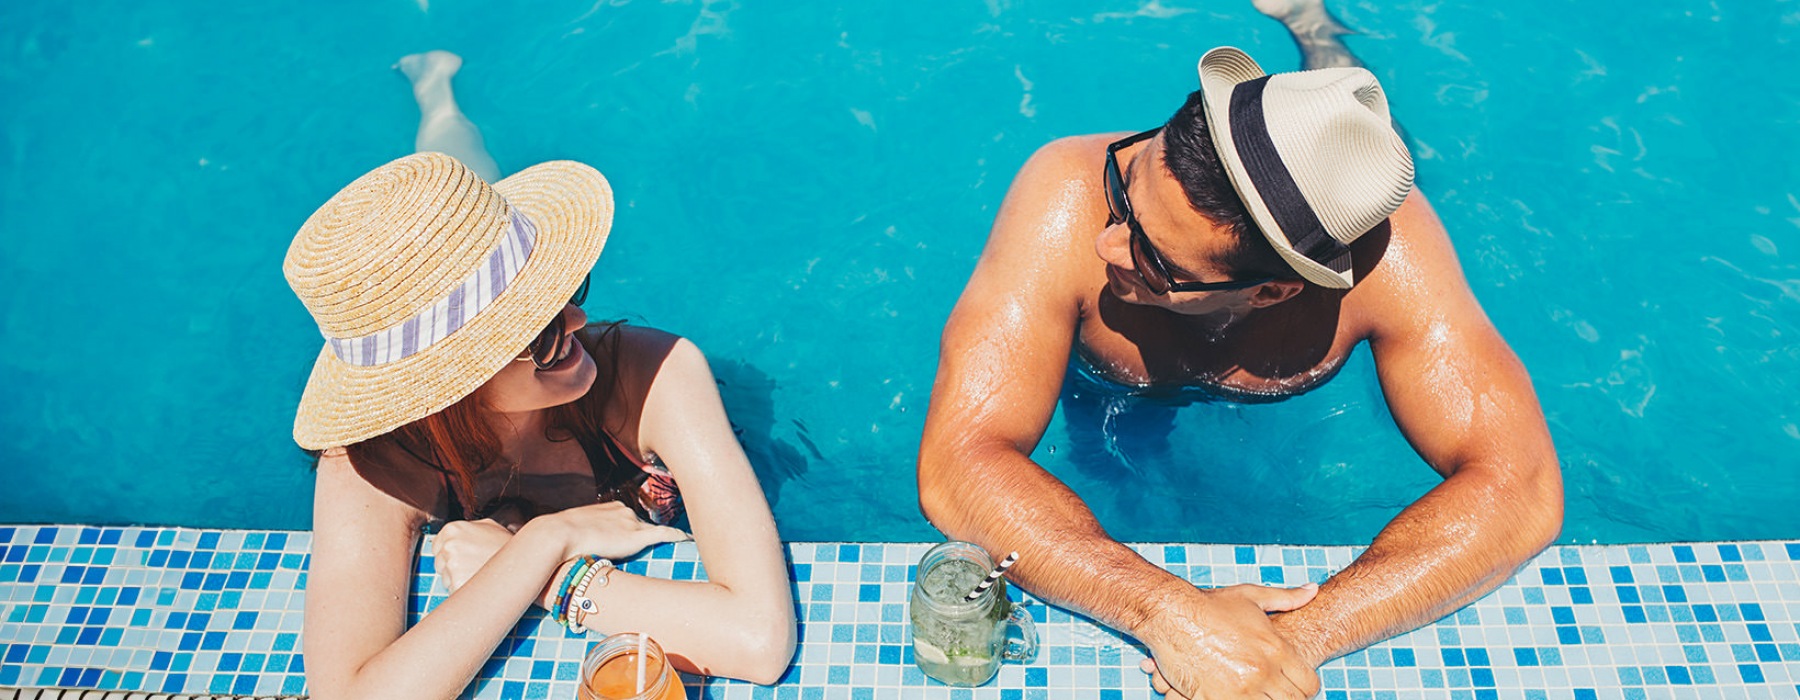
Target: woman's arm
column 740, row 622
column 356, row 641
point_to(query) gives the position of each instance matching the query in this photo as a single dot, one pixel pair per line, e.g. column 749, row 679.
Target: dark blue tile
column 1628, row 594
column 1247, row 555
column 1759, row 632
column 230, row 661
column 1767, row 652
column 69, row 677
column 1713, row 573
column 1683, row 554
column 175, row 683
column 94, row 576
column 89, row 636
column 1751, row 611
column 1678, row 675
column 1482, row 677
column 276, row 541
column 146, row 538
column 237, row 580
column 48, row 535
column 1174, row 554
column 1568, row 635
column 1525, row 656
column 72, row 574
column 1551, row 576
column 16, row 653
column 869, row 593
column 212, row 641
column 1793, row 551
column 209, row 540
column 1705, row 613
column 1453, row 657
column 1403, row 658
column 1580, row 595
column 245, row 620
column 1621, row 574
column 87, row 535
column 1587, row 694
column 1751, row 673
column 1562, row 615
column 1674, row 594
column 178, row 560
column 1575, row 575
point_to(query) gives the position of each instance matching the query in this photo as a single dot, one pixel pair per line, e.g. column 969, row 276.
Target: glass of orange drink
column 629, row 666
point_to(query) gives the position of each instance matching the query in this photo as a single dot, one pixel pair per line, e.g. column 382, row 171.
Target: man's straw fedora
column 1313, row 154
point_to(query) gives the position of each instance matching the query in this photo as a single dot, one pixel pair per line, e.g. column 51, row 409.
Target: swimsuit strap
column 453, row 505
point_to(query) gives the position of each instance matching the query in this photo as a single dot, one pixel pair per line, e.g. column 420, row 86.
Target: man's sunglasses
column 550, row 344
column 1151, row 268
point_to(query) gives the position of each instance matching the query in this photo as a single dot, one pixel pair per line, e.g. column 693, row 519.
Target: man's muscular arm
column 1466, row 404
column 1002, row 359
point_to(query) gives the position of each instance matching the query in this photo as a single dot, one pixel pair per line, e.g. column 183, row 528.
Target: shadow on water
column 748, row 394
column 1101, row 424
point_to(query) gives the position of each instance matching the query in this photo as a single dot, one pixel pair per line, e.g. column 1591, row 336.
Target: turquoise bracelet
column 560, row 608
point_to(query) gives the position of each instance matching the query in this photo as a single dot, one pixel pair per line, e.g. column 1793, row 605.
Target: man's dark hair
column 1189, row 154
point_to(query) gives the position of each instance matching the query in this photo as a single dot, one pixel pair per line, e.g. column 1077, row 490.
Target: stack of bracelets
column 573, row 606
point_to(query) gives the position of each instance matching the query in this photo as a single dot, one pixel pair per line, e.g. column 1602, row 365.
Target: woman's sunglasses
column 1151, row 268
column 550, row 344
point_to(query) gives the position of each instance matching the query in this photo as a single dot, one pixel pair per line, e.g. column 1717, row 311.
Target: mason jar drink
column 610, row 671
column 958, row 641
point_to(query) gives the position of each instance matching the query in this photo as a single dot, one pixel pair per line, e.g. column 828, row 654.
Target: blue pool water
column 803, row 190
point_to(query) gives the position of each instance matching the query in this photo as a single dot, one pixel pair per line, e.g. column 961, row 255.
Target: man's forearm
column 1004, row 502
column 1455, row 544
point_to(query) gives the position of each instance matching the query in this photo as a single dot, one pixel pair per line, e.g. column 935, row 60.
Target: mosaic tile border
column 218, row 612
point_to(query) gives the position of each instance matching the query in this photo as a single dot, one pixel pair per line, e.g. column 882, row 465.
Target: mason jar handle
column 1024, row 647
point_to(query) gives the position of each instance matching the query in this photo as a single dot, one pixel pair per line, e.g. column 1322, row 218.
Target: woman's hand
column 610, row 530
column 462, row 547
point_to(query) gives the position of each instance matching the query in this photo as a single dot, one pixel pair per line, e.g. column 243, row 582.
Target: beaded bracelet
column 560, row 607
column 579, row 602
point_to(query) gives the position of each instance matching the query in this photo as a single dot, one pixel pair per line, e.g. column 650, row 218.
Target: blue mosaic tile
column 192, row 611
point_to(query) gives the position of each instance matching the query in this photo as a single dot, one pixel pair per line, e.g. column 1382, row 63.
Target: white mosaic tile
column 194, row 611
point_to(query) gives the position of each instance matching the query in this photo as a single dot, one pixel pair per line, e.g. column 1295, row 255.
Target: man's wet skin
column 1056, row 278
column 1222, row 339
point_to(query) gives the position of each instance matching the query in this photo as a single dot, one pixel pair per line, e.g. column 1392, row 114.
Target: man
column 1244, row 249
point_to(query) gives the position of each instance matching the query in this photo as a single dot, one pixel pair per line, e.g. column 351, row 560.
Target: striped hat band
column 437, row 321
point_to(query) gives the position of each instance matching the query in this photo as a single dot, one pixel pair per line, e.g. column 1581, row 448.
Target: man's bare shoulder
column 1056, row 203
column 1418, row 285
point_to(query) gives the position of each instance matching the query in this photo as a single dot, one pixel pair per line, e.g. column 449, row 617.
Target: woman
column 460, row 383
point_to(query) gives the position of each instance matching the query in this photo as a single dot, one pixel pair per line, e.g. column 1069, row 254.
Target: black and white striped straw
column 986, row 583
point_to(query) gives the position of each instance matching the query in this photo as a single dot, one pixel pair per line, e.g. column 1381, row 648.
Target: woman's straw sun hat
column 1313, row 154
column 426, row 281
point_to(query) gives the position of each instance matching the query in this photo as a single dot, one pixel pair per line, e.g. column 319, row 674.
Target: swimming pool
column 803, row 191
